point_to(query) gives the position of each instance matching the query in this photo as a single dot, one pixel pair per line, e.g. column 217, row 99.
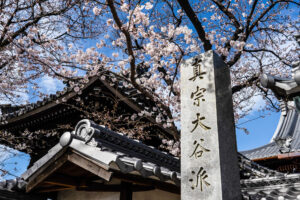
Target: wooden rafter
column 42, row 175
column 89, row 166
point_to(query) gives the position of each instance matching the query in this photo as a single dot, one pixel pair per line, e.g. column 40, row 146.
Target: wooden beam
column 47, row 164
column 104, row 166
column 126, row 191
column 89, row 166
column 100, row 187
column 54, row 189
column 168, row 187
column 58, row 184
column 46, row 173
column 45, row 185
column 266, row 158
column 61, row 180
column 288, row 155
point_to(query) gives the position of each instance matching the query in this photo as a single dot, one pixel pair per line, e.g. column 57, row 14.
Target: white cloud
column 258, row 104
column 50, row 85
column 251, row 105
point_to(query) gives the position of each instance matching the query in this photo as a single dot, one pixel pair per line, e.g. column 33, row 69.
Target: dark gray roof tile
column 13, row 185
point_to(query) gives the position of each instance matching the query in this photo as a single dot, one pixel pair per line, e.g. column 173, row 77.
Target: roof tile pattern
column 285, row 187
column 109, row 148
column 117, row 85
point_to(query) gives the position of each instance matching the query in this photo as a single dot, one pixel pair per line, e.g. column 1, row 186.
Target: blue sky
column 16, row 165
column 261, row 130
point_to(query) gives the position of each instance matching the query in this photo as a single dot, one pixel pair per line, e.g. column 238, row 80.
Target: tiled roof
column 266, row 151
column 288, row 128
column 284, row 187
column 106, row 146
column 23, row 109
column 14, row 189
column 113, row 149
column 117, row 152
column 252, row 170
column 112, row 82
column 13, row 185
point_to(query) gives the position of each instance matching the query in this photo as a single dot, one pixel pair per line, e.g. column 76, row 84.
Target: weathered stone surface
column 209, row 166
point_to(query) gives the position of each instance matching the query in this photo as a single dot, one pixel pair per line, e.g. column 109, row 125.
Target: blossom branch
column 196, row 23
column 133, row 66
column 250, row 81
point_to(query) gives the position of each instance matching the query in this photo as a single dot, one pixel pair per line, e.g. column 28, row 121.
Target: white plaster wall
column 155, row 195
column 82, row 195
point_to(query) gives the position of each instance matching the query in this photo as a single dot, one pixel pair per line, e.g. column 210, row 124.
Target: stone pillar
column 209, row 162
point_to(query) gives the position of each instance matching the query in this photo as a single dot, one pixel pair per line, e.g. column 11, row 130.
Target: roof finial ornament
column 284, row 144
column 84, row 129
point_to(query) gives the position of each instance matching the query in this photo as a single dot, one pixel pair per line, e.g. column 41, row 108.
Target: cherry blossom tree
column 144, row 43
column 252, row 37
column 32, row 42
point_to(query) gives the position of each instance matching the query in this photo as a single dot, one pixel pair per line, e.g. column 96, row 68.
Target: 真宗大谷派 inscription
column 197, row 96
column 209, row 165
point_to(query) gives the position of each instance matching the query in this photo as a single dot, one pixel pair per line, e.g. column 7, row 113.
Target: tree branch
column 133, row 66
column 247, row 83
column 269, row 51
column 185, row 5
